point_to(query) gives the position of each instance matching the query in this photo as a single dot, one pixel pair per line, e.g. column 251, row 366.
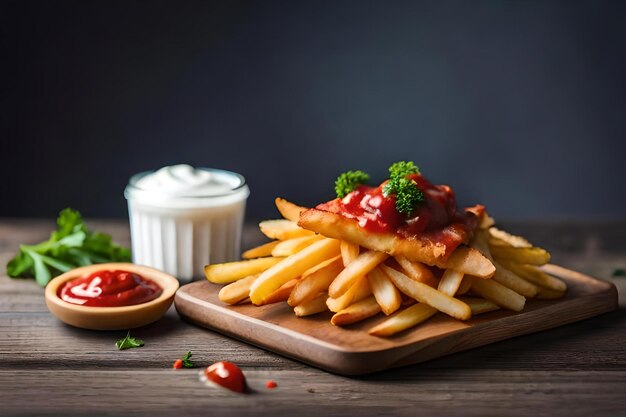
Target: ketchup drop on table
column 228, row 375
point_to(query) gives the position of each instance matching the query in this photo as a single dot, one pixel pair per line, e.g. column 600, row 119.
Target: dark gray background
column 519, row 105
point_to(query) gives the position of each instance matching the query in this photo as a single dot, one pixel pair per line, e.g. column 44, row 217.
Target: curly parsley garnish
column 405, row 189
column 128, row 342
column 348, row 181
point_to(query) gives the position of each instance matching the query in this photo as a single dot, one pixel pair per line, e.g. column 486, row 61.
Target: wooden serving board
column 351, row 351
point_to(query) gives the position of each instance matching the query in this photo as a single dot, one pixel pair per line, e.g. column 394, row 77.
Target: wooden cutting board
column 351, row 351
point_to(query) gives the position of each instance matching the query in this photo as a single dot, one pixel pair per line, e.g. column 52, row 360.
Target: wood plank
column 351, row 351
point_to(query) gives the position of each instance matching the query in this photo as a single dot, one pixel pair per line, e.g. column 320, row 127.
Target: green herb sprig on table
column 406, row 192
column 349, row 181
column 70, row 246
column 128, row 342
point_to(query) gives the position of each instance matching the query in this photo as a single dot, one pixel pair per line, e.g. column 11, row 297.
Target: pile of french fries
column 315, row 274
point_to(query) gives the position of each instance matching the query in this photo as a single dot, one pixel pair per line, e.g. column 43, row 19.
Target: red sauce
column 110, row 289
column 228, row 375
column 436, row 218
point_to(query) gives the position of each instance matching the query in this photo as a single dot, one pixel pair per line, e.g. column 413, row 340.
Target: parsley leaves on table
column 619, row 272
column 187, row 363
column 128, row 342
column 70, row 246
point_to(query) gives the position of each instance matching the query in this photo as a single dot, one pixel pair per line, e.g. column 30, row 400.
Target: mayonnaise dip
column 183, row 218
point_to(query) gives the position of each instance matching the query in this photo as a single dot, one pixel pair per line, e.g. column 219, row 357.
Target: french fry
column 282, row 293
column 548, row 294
column 417, row 271
column 289, row 210
column 533, row 256
column 450, row 282
column 498, row 294
column 349, row 252
column 479, row 305
column 360, row 290
column 385, row 293
column 480, row 244
column 282, row 229
column 501, row 238
column 537, row 276
column 465, row 286
column 290, row 246
column 232, row 271
column 260, row 251
column 237, row 291
column 356, row 312
column 428, row 295
column 486, row 221
column 469, row 261
column 514, row 282
column 245, row 301
column 363, row 264
column 312, row 306
column 292, row 267
column 402, row 320
column 315, row 281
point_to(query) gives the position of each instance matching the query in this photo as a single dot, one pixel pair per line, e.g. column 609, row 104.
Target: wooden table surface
column 48, row 368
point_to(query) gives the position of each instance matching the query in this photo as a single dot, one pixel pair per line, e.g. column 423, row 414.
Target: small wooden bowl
column 111, row 318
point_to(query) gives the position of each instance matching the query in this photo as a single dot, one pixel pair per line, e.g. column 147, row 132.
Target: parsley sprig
column 71, row 245
column 349, row 181
column 187, row 363
column 128, row 342
column 405, row 190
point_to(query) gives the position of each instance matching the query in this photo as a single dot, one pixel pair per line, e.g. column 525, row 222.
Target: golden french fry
column 385, row 293
column 289, row 210
column 465, row 286
column 533, row 256
column 480, row 244
column 260, row 251
column 232, row 271
column 514, row 282
column 290, row 246
column 292, row 267
column 282, row 293
column 479, row 305
column 312, row 306
column 359, row 290
column 486, row 222
column 417, row 271
column 498, row 294
column 450, row 282
column 536, row 276
column 315, row 281
column 469, row 261
column 237, row 291
column 245, row 301
column 501, row 238
column 402, row 320
column 355, row 270
column 358, row 311
column 428, row 295
column 549, row 294
column 349, row 252
column 283, row 229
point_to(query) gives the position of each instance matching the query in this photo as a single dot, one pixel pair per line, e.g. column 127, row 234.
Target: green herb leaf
column 349, row 181
column 405, row 190
column 401, row 169
column 619, row 272
column 187, row 363
column 128, row 342
column 71, row 245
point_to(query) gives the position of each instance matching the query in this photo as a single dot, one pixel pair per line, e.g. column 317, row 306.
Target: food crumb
column 311, row 390
column 271, row 384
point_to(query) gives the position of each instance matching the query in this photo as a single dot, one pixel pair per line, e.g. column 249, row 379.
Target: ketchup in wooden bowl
column 110, row 289
column 114, row 296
